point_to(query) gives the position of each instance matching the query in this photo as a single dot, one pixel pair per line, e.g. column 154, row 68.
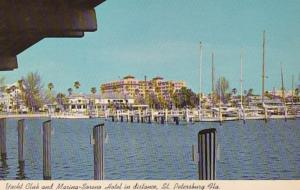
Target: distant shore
column 27, row 115
column 44, row 115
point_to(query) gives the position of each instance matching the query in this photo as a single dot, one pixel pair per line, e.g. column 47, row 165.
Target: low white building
column 94, row 104
column 77, row 103
column 105, row 103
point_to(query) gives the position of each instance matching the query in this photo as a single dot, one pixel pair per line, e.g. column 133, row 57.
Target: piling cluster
column 205, row 158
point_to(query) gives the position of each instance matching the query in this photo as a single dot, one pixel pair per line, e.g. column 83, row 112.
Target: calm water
column 150, row 151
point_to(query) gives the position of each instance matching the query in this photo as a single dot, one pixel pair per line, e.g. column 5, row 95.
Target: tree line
column 35, row 96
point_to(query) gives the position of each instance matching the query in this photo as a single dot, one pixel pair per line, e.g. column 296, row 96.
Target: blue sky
column 161, row 37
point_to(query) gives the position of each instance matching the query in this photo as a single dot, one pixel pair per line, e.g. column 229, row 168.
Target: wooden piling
column 121, row 118
column 176, row 120
column 266, row 114
column 112, row 118
column 21, row 171
column 118, row 115
column 152, row 115
column 187, row 115
column 128, row 114
column 162, row 121
column 285, row 113
column 3, row 138
column 98, row 134
column 131, row 118
column 47, row 150
column 207, row 154
column 149, row 119
column 142, row 119
column 166, row 115
column 21, row 141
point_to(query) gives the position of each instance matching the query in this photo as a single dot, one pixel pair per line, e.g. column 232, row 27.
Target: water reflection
column 3, row 167
column 255, row 150
column 21, row 171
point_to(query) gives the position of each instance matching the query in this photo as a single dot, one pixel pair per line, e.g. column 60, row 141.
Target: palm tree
column 70, row 90
column 51, row 97
column 234, row 91
column 76, row 84
column 50, row 86
column 93, row 91
column 250, row 92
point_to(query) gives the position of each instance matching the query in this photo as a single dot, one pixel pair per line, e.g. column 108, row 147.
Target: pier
column 98, row 138
column 178, row 116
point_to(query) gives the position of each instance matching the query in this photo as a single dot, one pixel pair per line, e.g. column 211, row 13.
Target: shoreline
column 45, row 115
column 82, row 116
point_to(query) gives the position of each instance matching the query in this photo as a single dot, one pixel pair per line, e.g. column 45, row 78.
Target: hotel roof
column 129, row 77
column 158, row 78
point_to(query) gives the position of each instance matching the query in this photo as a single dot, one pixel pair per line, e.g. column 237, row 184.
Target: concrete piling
column 47, row 150
column 162, row 120
column 21, row 141
column 131, row 118
column 3, row 138
column 176, row 120
column 207, row 154
column 142, row 119
column 99, row 136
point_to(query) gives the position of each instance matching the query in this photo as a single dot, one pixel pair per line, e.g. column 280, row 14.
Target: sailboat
column 211, row 117
column 263, row 79
column 220, row 110
column 278, row 108
column 242, row 111
column 200, row 89
column 254, row 112
column 283, row 94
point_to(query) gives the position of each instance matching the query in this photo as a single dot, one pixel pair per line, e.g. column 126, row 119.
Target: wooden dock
column 164, row 116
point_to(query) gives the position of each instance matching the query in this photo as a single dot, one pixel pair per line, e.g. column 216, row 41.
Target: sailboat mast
column 282, row 85
column 212, row 78
column 292, row 89
column 241, row 77
column 263, row 68
column 220, row 91
column 200, row 77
